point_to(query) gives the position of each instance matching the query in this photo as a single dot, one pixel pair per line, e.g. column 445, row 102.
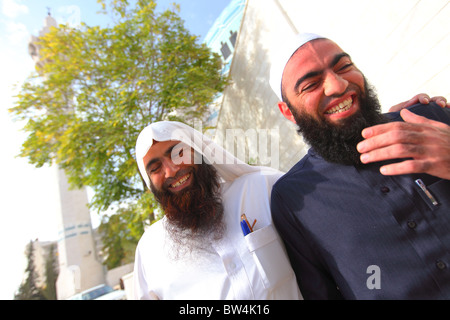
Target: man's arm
column 314, row 282
column 425, row 142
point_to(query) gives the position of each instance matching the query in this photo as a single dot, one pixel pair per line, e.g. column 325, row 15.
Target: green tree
column 51, row 274
column 98, row 87
column 122, row 231
column 28, row 290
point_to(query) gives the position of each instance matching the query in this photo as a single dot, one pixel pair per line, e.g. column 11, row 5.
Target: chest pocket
column 269, row 255
column 440, row 191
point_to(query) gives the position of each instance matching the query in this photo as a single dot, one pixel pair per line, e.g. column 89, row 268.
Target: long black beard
column 195, row 214
column 337, row 143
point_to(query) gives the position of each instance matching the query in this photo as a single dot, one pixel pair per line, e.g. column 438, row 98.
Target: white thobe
column 236, row 267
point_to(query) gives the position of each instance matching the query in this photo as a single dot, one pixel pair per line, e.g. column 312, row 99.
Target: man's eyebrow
column 306, row 76
column 169, row 149
column 338, row 57
column 312, row 74
column 166, row 153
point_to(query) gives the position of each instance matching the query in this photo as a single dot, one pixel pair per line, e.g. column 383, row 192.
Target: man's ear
column 284, row 109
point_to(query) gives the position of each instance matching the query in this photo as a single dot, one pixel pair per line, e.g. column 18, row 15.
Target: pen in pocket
column 422, row 186
column 245, row 225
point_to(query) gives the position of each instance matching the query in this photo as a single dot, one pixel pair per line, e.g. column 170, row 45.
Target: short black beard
column 194, row 214
column 337, row 143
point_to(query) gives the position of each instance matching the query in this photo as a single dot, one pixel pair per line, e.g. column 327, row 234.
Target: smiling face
column 321, row 80
column 330, row 100
column 189, row 193
column 169, row 166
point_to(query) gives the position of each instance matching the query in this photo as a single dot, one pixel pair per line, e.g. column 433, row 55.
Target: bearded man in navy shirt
column 365, row 214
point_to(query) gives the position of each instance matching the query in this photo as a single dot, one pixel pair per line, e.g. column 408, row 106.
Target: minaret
column 79, row 266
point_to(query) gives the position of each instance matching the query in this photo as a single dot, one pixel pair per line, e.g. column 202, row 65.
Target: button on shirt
column 347, row 228
column 236, row 267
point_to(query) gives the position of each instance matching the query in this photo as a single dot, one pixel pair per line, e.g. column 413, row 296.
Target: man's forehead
column 313, row 51
column 160, row 144
column 311, row 56
column 159, row 148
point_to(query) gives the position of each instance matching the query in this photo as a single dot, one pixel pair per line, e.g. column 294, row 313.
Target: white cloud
column 16, row 32
column 13, row 8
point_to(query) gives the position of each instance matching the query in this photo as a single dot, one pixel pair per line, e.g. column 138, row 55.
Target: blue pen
column 245, row 228
column 244, row 225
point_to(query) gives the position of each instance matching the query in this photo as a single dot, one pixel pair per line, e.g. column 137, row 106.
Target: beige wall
column 79, row 266
column 402, row 46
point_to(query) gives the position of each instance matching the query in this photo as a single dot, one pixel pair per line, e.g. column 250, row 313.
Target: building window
column 226, row 52
column 233, row 36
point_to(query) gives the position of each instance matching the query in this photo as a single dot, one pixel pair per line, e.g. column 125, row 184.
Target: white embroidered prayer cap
column 283, row 54
column 228, row 166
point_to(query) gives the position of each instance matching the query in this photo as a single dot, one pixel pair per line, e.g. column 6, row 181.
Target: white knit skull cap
column 283, row 54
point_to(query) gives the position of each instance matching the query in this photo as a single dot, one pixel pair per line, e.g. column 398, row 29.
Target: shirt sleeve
column 314, row 281
column 431, row 111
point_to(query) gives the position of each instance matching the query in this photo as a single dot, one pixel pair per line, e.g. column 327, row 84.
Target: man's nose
column 170, row 168
column 334, row 84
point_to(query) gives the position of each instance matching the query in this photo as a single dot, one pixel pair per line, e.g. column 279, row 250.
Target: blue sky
column 27, row 194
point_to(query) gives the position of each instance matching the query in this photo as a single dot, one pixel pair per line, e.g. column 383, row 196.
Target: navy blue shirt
column 352, row 233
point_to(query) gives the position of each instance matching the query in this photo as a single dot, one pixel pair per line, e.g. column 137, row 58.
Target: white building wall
column 80, row 268
column 402, row 47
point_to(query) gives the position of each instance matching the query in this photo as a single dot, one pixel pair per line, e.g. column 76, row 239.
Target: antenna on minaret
column 48, row 11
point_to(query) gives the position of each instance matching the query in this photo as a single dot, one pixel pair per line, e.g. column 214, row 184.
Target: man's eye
column 155, row 168
column 310, row 86
column 345, row 66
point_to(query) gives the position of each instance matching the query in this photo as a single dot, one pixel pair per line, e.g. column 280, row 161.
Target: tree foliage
column 29, row 290
column 122, row 231
column 51, row 273
column 100, row 86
